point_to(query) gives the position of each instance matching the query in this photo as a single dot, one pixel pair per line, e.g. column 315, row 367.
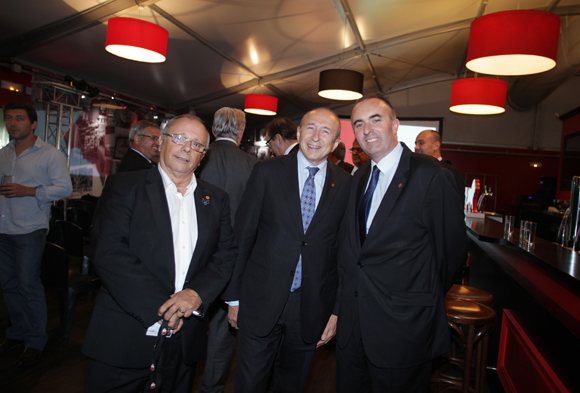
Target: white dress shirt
column 142, row 155
column 290, row 148
column 387, row 167
column 183, row 225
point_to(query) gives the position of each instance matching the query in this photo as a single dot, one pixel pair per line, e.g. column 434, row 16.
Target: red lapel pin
column 400, row 185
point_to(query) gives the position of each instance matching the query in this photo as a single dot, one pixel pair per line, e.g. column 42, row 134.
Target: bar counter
column 536, row 341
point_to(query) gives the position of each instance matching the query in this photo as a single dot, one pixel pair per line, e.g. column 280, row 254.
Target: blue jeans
column 20, row 257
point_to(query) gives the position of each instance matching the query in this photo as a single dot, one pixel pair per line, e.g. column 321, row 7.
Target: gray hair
column 138, row 127
column 165, row 128
column 340, row 151
column 227, row 122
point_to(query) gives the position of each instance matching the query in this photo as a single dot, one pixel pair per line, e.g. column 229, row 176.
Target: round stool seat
column 468, row 313
column 471, row 294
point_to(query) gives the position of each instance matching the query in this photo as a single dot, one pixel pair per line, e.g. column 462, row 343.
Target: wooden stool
column 470, row 324
column 463, row 292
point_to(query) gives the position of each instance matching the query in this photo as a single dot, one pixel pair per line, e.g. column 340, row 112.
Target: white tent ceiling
column 220, row 50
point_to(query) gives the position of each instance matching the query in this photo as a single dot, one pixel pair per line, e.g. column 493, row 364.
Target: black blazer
column 395, row 283
column 228, row 167
column 270, row 239
column 346, row 166
column 133, row 161
column 133, row 256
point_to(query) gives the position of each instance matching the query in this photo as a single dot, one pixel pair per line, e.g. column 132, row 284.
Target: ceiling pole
column 359, row 40
column 63, row 28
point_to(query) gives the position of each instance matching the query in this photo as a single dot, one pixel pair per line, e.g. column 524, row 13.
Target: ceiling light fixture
column 478, row 96
column 261, row 104
column 341, row 84
column 518, row 42
column 136, row 39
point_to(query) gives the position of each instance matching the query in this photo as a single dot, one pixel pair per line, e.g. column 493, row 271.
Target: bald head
column 428, row 142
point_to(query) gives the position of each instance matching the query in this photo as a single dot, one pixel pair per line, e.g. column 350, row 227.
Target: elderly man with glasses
column 144, row 148
column 163, row 247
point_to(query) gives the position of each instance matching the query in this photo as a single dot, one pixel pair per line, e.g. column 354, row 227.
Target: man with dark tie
column 404, row 244
column 281, row 136
column 228, row 167
column 163, row 247
column 143, row 150
column 285, row 276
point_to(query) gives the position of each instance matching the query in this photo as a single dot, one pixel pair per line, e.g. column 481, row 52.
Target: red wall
column 515, row 176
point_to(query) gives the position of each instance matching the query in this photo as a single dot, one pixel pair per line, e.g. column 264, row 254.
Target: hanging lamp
column 136, row 39
column 261, row 104
column 478, row 96
column 341, row 84
column 518, row 42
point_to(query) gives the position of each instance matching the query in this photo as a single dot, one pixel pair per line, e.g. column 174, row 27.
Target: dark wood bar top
column 562, row 262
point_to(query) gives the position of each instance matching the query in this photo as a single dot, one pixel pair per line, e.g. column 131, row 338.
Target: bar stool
column 470, row 324
column 471, row 294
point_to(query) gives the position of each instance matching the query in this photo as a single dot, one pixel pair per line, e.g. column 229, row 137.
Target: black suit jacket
column 133, row 256
column 228, row 167
column 346, row 166
column 396, row 281
column 270, row 239
column 133, row 161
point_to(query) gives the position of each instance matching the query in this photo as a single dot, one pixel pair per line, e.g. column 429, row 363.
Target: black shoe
column 28, row 357
column 9, row 344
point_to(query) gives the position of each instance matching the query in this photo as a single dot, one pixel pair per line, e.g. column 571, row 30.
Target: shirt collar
column 137, row 151
column 169, row 184
column 290, row 148
column 391, row 160
column 303, row 164
column 440, row 158
column 35, row 146
column 226, row 139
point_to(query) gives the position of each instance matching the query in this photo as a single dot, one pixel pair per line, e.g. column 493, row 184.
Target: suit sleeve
column 246, row 229
column 443, row 213
column 133, row 287
column 211, row 280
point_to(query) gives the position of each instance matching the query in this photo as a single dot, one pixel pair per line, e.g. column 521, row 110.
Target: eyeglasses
column 154, row 138
column 181, row 140
column 355, row 150
column 268, row 141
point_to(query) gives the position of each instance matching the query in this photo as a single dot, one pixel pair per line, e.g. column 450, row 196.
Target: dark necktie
column 365, row 205
column 308, row 207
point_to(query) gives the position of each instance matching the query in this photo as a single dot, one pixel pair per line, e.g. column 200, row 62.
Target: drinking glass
column 7, row 178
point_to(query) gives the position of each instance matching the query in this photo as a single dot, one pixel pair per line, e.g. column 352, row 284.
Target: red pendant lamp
column 136, row 39
column 478, row 96
column 519, row 42
column 261, row 104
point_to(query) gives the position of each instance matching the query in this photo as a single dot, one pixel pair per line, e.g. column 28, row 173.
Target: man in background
column 281, row 136
column 228, row 167
column 39, row 175
column 337, row 157
column 359, row 157
column 143, row 150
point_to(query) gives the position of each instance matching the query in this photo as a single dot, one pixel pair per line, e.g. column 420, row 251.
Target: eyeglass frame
column 154, row 138
column 358, row 150
column 191, row 143
column 270, row 140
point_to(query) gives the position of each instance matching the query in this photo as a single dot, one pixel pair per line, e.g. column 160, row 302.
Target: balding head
column 428, row 142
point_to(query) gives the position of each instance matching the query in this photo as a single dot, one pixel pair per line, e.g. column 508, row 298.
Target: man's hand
column 233, row 315
column 15, row 190
column 329, row 331
column 180, row 305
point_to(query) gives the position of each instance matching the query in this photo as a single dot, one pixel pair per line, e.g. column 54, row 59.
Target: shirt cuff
column 233, row 303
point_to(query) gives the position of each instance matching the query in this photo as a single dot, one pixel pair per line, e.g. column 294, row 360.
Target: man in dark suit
column 163, row 247
column 403, row 243
column 429, row 142
column 144, row 147
column 281, row 136
column 285, row 277
column 228, row 167
column 337, row 157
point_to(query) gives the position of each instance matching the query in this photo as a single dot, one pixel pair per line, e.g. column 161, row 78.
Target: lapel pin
column 205, row 200
column 400, row 185
column 332, row 185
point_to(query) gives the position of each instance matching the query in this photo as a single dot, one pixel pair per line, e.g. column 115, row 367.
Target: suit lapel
column 288, row 181
column 360, row 189
column 203, row 205
column 160, row 210
column 393, row 192
column 331, row 184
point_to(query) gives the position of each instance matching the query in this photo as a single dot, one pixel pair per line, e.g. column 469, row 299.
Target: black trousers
column 221, row 343
column 356, row 374
column 177, row 376
column 257, row 356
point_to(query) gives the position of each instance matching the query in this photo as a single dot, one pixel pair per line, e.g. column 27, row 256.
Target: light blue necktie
column 308, row 206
